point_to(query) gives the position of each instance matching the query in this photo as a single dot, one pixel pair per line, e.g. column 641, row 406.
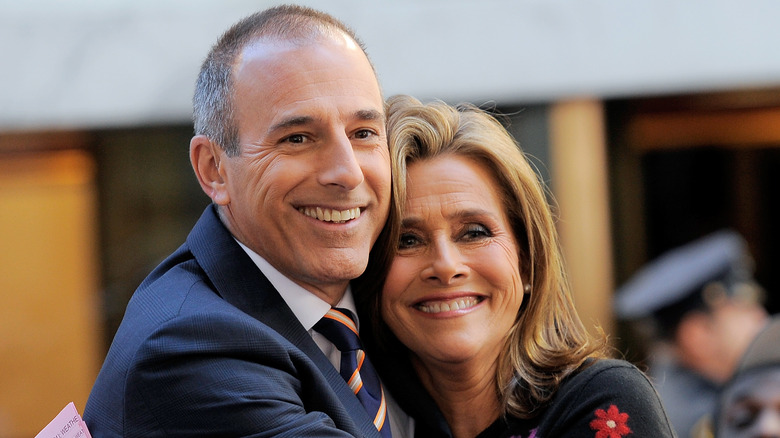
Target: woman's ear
column 206, row 158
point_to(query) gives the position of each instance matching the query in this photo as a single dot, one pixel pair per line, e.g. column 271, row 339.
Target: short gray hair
column 213, row 102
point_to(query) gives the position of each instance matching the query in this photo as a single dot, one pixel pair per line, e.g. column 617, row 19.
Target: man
column 749, row 406
column 291, row 147
column 700, row 308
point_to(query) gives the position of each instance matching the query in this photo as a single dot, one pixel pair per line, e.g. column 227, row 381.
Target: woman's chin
column 444, row 354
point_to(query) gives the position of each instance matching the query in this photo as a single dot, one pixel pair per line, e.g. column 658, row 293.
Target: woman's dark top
column 606, row 398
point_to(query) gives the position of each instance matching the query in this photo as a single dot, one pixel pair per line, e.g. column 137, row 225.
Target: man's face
column 751, row 406
column 733, row 325
column 310, row 189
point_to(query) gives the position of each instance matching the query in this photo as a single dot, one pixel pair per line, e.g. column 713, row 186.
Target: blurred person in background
column 698, row 307
column 749, row 405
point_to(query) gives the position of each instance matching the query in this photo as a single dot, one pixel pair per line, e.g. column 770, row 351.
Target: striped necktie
column 338, row 326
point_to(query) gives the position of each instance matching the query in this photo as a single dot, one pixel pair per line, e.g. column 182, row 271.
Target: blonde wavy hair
column 548, row 341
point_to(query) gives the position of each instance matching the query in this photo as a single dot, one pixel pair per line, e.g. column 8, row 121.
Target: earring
column 527, row 288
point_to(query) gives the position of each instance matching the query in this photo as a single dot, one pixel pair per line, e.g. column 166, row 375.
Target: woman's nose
column 447, row 263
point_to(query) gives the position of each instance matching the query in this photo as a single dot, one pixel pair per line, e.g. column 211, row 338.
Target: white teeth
column 438, row 307
column 329, row 215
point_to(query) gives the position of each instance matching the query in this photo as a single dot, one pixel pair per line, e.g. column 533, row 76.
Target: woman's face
column 454, row 289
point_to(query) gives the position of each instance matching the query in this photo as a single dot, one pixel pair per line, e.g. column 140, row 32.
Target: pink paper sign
column 67, row 424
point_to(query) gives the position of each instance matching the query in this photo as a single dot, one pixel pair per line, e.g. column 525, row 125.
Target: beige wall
column 89, row 64
column 49, row 320
column 578, row 158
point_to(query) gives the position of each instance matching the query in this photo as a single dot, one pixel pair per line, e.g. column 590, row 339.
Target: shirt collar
column 307, row 307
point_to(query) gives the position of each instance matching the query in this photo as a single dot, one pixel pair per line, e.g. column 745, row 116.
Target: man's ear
column 206, row 158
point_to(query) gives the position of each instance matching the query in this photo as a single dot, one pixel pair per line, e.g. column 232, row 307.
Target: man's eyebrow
column 294, row 121
column 291, row 122
column 369, row 114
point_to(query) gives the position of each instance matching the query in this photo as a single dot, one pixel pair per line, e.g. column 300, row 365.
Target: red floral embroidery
column 610, row 423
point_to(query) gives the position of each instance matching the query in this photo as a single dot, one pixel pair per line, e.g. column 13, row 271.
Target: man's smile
column 331, row 215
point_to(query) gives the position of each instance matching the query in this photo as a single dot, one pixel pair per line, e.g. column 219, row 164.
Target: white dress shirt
column 309, row 309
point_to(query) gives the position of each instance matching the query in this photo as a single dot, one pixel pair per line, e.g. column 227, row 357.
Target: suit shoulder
column 167, row 289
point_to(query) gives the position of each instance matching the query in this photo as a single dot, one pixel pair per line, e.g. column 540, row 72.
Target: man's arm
column 223, row 374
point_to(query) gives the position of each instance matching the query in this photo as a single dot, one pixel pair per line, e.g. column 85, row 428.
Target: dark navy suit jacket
column 207, row 347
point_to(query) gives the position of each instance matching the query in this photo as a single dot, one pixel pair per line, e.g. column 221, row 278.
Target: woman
column 474, row 331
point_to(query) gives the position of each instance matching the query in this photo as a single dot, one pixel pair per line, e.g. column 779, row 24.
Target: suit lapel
column 243, row 285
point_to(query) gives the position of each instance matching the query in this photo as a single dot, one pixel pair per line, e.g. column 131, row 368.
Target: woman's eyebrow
column 470, row 213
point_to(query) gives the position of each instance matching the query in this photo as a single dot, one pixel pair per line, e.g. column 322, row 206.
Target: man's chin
column 342, row 268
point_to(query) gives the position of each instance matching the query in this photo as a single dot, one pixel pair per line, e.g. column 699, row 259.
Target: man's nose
column 339, row 165
column 768, row 423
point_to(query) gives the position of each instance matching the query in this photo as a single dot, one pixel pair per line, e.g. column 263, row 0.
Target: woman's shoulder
column 605, row 395
column 596, row 372
column 606, row 382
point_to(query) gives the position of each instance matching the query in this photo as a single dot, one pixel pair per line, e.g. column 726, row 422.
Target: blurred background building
column 653, row 121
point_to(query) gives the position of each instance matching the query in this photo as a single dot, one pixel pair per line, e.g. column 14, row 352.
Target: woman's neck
column 465, row 393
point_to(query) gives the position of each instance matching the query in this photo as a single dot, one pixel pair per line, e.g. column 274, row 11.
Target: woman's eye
column 476, row 231
column 407, row 240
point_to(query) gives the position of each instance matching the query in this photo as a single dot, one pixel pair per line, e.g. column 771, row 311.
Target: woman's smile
column 449, row 306
column 454, row 288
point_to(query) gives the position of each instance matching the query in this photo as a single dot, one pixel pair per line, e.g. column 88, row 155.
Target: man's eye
column 364, row 133
column 742, row 417
column 295, row 138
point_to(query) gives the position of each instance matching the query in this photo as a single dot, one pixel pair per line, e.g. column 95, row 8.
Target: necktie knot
column 338, row 325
